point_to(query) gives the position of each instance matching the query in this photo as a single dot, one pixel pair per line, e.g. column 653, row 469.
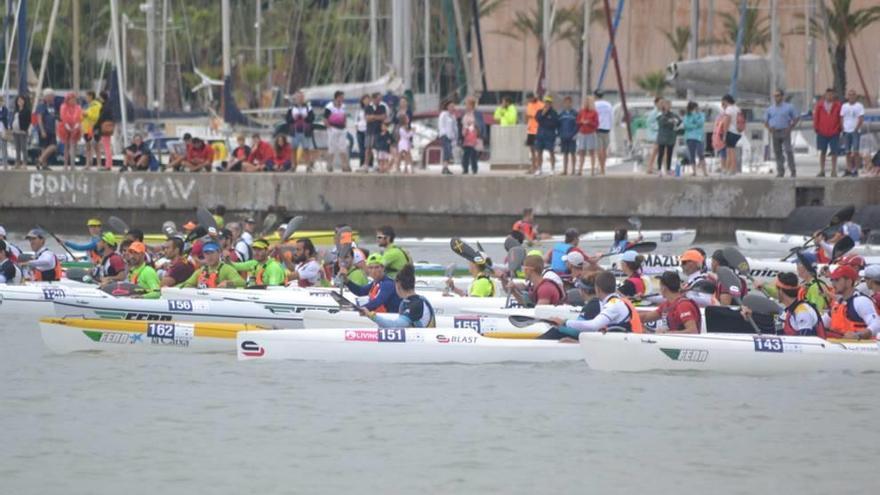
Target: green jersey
column 482, row 287
column 394, row 259
column 269, row 273
column 145, row 277
column 358, row 277
column 206, row 277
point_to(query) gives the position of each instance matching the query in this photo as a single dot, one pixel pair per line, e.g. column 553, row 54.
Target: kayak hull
column 598, row 240
column 725, row 353
column 318, row 237
column 409, row 345
column 37, row 300
column 774, row 241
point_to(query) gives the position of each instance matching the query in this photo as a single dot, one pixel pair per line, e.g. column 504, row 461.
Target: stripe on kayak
column 93, row 329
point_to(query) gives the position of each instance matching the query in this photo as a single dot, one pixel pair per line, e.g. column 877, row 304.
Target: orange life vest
column 844, row 318
column 374, row 291
column 51, row 275
column 528, row 231
column 208, row 280
column 635, row 321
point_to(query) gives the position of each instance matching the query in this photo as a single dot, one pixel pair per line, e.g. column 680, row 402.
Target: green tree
column 653, row 82
column 756, row 31
column 679, row 39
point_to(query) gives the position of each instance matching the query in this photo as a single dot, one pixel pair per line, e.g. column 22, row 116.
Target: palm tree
column 530, row 24
column 756, row 30
column 575, row 35
column 679, row 40
column 844, row 24
column 653, row 82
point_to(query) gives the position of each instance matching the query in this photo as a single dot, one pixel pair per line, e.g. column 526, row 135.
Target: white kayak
column 36, row 300
column 184, row 310
column 63, row 335
column 600, row 240
column 774, row 241
column 399, row 345
column 498, row 327
column 726, row 353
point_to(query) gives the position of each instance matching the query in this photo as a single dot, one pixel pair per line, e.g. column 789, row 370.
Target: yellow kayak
column 318, row 237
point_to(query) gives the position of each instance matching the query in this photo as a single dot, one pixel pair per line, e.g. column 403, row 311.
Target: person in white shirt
column 337, row 136
column 9, row 272
column 732, row 134
column 853, row 115
column 447, row 128
column 304, row 266
column 14, row 251
column 616, row 311
column 361, row 127
column 45, row 265
column 605, row 111
column 247, row 235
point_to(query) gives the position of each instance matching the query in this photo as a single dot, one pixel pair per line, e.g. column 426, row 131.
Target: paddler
column 394, row 257
column 111, row 268
column 556, row 254
column 414, row 311
column 263, row 270
column 631, row 265
column 94, row 225
column 214, row 273
column 678, row 313
column 872, row 280
column 692, row 265
column 381, row 291
column 723, row 294
column 46, row 266
column 303, row 266
column 526, row 225
column 140, row 273
column 801, row 317
column 591, row 308
column 853, row 315
column 179, row 267
column 622, row 242
column 357, row 272
column 13, row 251
column 9, row 272
column 481, row 269
column 616, row 312
column 543, row 287
column 219, row 212
column 242, row 249
column 575, row 262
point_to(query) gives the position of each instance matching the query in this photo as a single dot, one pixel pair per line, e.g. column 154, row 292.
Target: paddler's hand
column 746, row 312
column 450, row 284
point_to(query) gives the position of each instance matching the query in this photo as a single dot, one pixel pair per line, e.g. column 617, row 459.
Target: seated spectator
column 283, row 155
column 239, row 155
column 199, row 157
column 179, row 152
column 137, row 155
column 261, row 154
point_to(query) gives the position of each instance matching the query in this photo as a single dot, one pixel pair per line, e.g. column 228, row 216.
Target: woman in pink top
column 70, row 128
column 588, row 124
column 404, row 145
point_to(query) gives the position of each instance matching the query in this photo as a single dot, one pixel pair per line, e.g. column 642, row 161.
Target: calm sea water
column 95, row 423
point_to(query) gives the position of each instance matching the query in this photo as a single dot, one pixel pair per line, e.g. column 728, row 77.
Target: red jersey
column 285, row 154
column 827, row 122
column 527, row 229
column 206, row 154
column 680, row 311
column 261, row 153
column 588, row 121
column 547, row 289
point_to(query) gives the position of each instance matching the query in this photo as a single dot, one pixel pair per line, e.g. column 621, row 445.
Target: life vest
column 208, row 280
column 258, row 275
column 822, row 256
column 638, row 283
column 528, row 231
column 102, row 268
column 634, row 322
column 549, row 277
column 844, row 318
column 486, row 277
column 51, row 275
column 787, row 327
column 374, row 291
column 682, row 300
column 560, row 249
column 826, row 291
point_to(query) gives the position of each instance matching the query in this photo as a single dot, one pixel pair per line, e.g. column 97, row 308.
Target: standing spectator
column 780, row 120
column 733, row 129
column 239, row 155
column 404, row 144
column 588, row 124
column 383, row 148
column 5, row 135
column 89, row 123
column 282, row 156
column 470, row 135
column 47, row 116
column 505, row 115
column 105, row 126
column 533, row 106
column 667, row 122
column 200, row 157
column 695, row 136
column 337, row 136
column 21, row 123
column 827, row 124
column 261, row 154
column 361, row 127
column 853, row 114
column 375, row 113
column 137, row 155
column 568, row 129
column 300, row 118
column 605, row 111
column 402, row 112
column 70, row 128
column 718, row 141
column 548, row 128
column 448, row 131
column 651, row 133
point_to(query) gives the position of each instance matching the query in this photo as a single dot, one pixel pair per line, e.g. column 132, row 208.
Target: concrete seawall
column 423, row 204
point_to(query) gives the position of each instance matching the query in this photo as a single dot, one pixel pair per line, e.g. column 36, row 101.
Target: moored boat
column 775, row 241
column 599, row 240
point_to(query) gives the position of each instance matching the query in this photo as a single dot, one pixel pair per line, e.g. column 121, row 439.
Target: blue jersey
column 382, row 294
column 619, row 247
column 415, row 312
column 560, row 249
column 568, row 127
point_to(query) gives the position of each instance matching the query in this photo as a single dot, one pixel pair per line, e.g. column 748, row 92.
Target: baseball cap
column 852, row 260
column 36, row 233
column 574, row 258
column 693, row 255
column 872, row 272
column 535, row 252
column 629, row 256
column 807, row 260
column 358, row 256
column 670, row 280
column 189, row 225
column 260, row 244
column 2, row 231
column 109, row 238
column 250, row 220
column 211, row 247
column 548, row 99
column 374, row 259
column 196, row 249
column 138, row 247
column 94, row 222
column 845, row 272
column 282, row 227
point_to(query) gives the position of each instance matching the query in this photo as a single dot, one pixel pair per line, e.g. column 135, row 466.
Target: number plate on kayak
column 469, row 322
column 52, row 294
column 392, row 335
column 768, row 344
column 180, row 305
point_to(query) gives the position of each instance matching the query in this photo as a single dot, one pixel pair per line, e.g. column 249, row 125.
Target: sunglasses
column 380, row 237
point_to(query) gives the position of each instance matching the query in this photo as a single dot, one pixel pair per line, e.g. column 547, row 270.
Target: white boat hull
column 484, row 325
column 774, row 241
column 36, row 300
column 598, row 240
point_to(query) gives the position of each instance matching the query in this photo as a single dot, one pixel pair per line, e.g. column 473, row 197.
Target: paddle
column 292, row 227
column 760, row 303
column 729, row 279
column 59, row 241
column 463, row 249
column 342, row 301
column 450, row 271
column 204, row 218
column 269, row 223
column 639, row 247
column 523, row 321
column 480, row 247
column 841, row 247
column 117, row 225
column 704, row 286
column 169, row 228
column 635, row 222
column 515, row 259
column 510, row 242
column 737, row 260
column 843, row 215
column 77, row 274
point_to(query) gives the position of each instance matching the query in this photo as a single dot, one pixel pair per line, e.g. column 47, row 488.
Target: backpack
column 740, row 122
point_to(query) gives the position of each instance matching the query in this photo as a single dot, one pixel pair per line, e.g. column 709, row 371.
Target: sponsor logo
column 50, row 294
column 688, row 355
column 457, row 339
column 362, row 335
column 113, row 337
column 442, row 338
column 147, row 317
column 250, row 348
column 322, row 293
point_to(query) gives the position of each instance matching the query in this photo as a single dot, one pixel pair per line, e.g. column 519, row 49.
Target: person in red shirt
column 178, row 155
column 827, row 123
column 282, row 155
column 239, row 155
column 199, row 157
column 543, row 287
column 587, row 142
column 261, row 154
column 681, row 315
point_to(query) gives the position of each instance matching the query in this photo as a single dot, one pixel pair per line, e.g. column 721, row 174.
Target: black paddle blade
column 704, row 287
column 736, row 260
column 515, row 259
column 169, row 229
column 269, row 223
column 729, row 279
column 522, row 321
column 76, row 274
column 643, row 247
column 204, row 217
column 341, row 301
column 292, row 226
column 510, row 243
column 843, row 215
column 842, row 247
column 117, row 225
column 760, row 303
column 463, row 249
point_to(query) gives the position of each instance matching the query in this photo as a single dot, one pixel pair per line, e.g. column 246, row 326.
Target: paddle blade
column 842, row 247
column 345, row 240
column 169, row 229
column 77, row 274
column 643, row 247
column 480, row 247
column 736, row 260
column 760, row 303
column 522, row 321
column 704, row 287
column 269, row 223
column 117, row 225
column 204, row 217
column 515, row 259
column 843, row 215
column 729, row 279
column 462, row 249
column 510, row 242
column 292, row 226
column 342, row 301
column 635, row 222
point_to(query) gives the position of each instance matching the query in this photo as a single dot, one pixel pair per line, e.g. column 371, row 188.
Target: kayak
column 318, row 237
column 36, row 300
column 600, row 239
column 178, row 310
column 497, row 327
column 726, row 353
column 773, row 241
column 399, row 345
column 63, row 335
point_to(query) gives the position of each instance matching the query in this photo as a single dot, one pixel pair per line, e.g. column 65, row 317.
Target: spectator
column 533, row 106
column 588, row 124
column 853, row 115
column 545, row 140
column 780, row 120
column 179, row 153
column 404, row 144
column 695, row 136
column 239, row 155
column 137, row 155
column 402, row 112
column 470, row 135
column 361, row 128
column 47, row 116
column 300, row 118
column 337, row 136
column 89, row 122
column 448, row 131
column 21, row 123
column 733, row 129
column 605, row 111
column 505, row 114
column 827, row 124
column 106, row 126
column 375, row 113
column 667, row 123
column 70, row 128
column 383, row 148
column 651, row 133
column 199, row 157
column 568, row 130
column 282, row 156
column 5, row 133
column 261, row 154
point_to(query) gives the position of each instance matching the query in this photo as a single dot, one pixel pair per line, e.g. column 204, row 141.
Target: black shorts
column 730, row 139
column 47, row 141
column 530, row 140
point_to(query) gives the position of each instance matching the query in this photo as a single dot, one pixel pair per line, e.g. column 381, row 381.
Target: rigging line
column 319, row 57
column 188, row 32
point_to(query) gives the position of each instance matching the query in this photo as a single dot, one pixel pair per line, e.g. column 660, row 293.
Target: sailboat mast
column 117, row 60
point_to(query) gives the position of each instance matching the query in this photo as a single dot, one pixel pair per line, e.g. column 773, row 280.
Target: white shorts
column 337, row 140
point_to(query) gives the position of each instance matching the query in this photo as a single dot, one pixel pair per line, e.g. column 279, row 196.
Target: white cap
column 2, row 231
column 574, row 258
column 358, row 256
column 630, row 256
column 282, row 227
column 48, row 91
column 872, row 272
